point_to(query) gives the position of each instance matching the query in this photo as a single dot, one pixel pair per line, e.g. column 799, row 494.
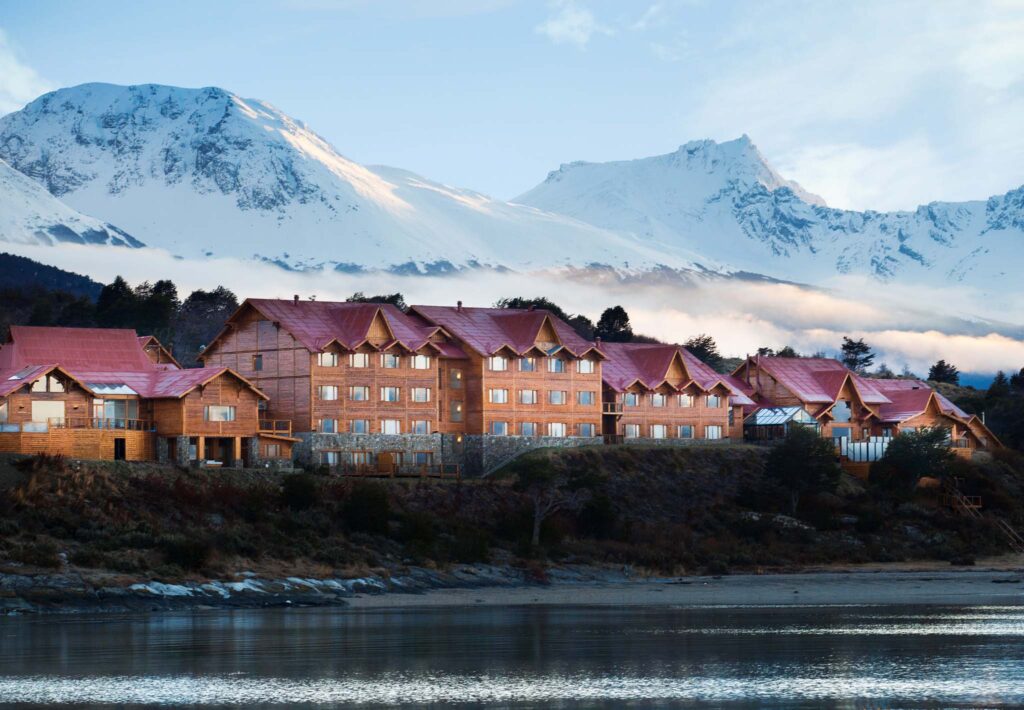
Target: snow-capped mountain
column 31, row 215
column 203, row 171
column 724, row 201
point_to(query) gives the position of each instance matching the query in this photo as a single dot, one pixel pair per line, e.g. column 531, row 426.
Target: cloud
column 741, row 316
column 19, row 83
column 571, row 23
column 653, row 15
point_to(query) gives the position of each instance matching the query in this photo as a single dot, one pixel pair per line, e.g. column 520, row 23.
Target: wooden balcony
column 78, row 423
column 281, row 427
column 612, row 408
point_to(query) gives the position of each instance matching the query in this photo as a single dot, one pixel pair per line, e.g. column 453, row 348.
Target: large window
column 586, row 398
column 659, row 431
column 420, row 362
column 497, row 363
column 43, row 411
column 390, row 426
column 557, row 397
column 587, row 429
column 527, row 396
column 585, row 367
column 50, row 383
column 327, row 359
column 712, row 432
column 556, row 364
column 359, row 426
column 389, row 394
column 327, row 392
column 329, row 426
column 219, row 413
column 420, row 426
column 497, row 396
column 455, row 409
column 685, row 431
column 631, row 431
column 420, row 394
column 528, row 429
column 390, row 361
column 658, row 400
column 499, row 428
column 359, row 360
column 556, row 429
column 358, row 393
column 527, row 364
column 842, row 412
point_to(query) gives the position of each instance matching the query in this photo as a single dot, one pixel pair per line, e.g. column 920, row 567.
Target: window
column 587, row 430
column 359, row 394
column 50, row 383
column 3, row 412
column 421, row 362
column 712, row 432
column 714, row 401
column 527, row 396
column 585, row 367
column 659, row 431
column 330, row 458
column 658, row 400
column 527, row 364
column 557, row 397
column 556, row 364
column 732, row 417
column 497, row 363
column 685, row 431
column 556, row 429
column 390, row 361
column 328, row 426
column 455, row 409
column 327, row 392
column 272, row 451
column 389, row 394
column 586, row 397
column 327, row 359
column 420, row 426
column 499, row 396
column 684, row 400
column 842, row 412
column 420, row 394
column 455, row 378
column 358, row 458
column 499, row 428
column 390, row 426
column 631, row 431
column 423, row 458
column 886, row 431
column 359, row 426
column 359, row 360
column 219, row 413
column 528, row 429
column 257, row 362
column 631, row 399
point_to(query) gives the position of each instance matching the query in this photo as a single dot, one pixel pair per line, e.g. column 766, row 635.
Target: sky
column 872, row 105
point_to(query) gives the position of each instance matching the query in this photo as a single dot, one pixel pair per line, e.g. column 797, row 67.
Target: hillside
column 18, row 272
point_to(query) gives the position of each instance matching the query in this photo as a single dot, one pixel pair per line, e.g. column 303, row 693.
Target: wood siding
column 672, row 415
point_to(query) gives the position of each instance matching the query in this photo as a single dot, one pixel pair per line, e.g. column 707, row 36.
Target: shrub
column 469, row 545
column 190, row 554
column 39, row 554
column 299, row 491
column 597, row 518
column 909, row 456
column 366, row 509
column 804, row 463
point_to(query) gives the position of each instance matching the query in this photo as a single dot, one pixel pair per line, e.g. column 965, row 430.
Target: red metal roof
column 95, row 349
column 12, row 378
column 908, row 398
column 818, row 380
column 488, row 330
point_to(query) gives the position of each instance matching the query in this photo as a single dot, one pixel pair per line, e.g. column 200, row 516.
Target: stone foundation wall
column 307, row 452
column 484, row 454
column 644, row 441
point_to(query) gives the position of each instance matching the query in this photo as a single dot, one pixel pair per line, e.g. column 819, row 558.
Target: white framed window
column 359, row 360
column 527, row 396
column 556, row 364
column 390, row 426
column 659, row 431
column 497, row 396
column 499, row 429
column 631, row 431
column 420, row 362
column 684, row 431
column 585, row 367
column 219, row 413
column 358, row 393
column 684, row 400
column 557, row 396
column 556, row 429
column 328, row 426
column 50, row 383
column 358, row 458
column 327, row 393
column 586, row 397
column 420, row 426
column 423, row 458
column 272, row 451
column 420, row 394
column 587, row 429
column 3, row 412
column 455, row 379
column 712, row 431
column 330, row 458
column 327, row 359
column 527, row 364
column 390, row 394
column 455, row 410
column 631, row 399
column 360, row 426
column 713, row 401
column 497, row 363
column 658, row 400
column 528, row 428
column 390, row 361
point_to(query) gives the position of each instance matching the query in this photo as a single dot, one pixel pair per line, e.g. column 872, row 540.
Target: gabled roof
column 318, row 324
column 489, row 330
column 96, row 349
column 12, row 378
column 816, row 380
column 159, row 383
column 147, row 341
column 909, row 398
column 775, row 416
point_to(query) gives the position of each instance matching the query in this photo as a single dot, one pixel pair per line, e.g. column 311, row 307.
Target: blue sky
column 872, row 105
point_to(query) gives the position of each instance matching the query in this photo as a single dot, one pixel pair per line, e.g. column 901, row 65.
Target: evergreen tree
column 116, row 305
column 1017, row 381
column 613, row 326
column 704, row 348
column 943, row 371
column 856, row 354
column 395, row 299
column 909, row 456
column 1000, row 386
column 766, row 352
column 803, row 463
column 787, row 351
column 200, row 318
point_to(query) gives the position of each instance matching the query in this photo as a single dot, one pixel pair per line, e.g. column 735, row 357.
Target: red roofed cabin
column 359, row 383
column 664, row 394
column 99, row 393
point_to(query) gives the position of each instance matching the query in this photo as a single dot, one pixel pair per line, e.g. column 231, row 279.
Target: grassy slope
column 663, row 509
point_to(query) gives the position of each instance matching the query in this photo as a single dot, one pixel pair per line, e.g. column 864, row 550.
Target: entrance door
column 120, row 450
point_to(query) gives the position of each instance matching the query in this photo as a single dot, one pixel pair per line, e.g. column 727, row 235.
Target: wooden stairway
column 971, row 507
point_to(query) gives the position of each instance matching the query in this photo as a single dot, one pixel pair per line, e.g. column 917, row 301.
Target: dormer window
column 556, row 364
column 527, row 364
column 359, row 360
column 390, row 361
column 585, row 367
column 327, row 359
column 497, row 363
column 420, row 362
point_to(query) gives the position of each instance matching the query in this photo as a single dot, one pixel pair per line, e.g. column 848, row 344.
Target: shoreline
column 999, row 583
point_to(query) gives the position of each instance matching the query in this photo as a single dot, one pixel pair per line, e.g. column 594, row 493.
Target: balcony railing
column 613, row 407
column 276, row 426
column 78, row 423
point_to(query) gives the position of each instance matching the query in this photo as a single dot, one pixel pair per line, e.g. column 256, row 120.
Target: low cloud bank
column 906, row 325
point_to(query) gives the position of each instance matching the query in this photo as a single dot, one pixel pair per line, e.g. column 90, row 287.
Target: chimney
column 458, row 305
column 296, row 301
column 597, row 342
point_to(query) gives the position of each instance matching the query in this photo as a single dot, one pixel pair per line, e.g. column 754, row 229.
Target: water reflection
column 526, row 657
